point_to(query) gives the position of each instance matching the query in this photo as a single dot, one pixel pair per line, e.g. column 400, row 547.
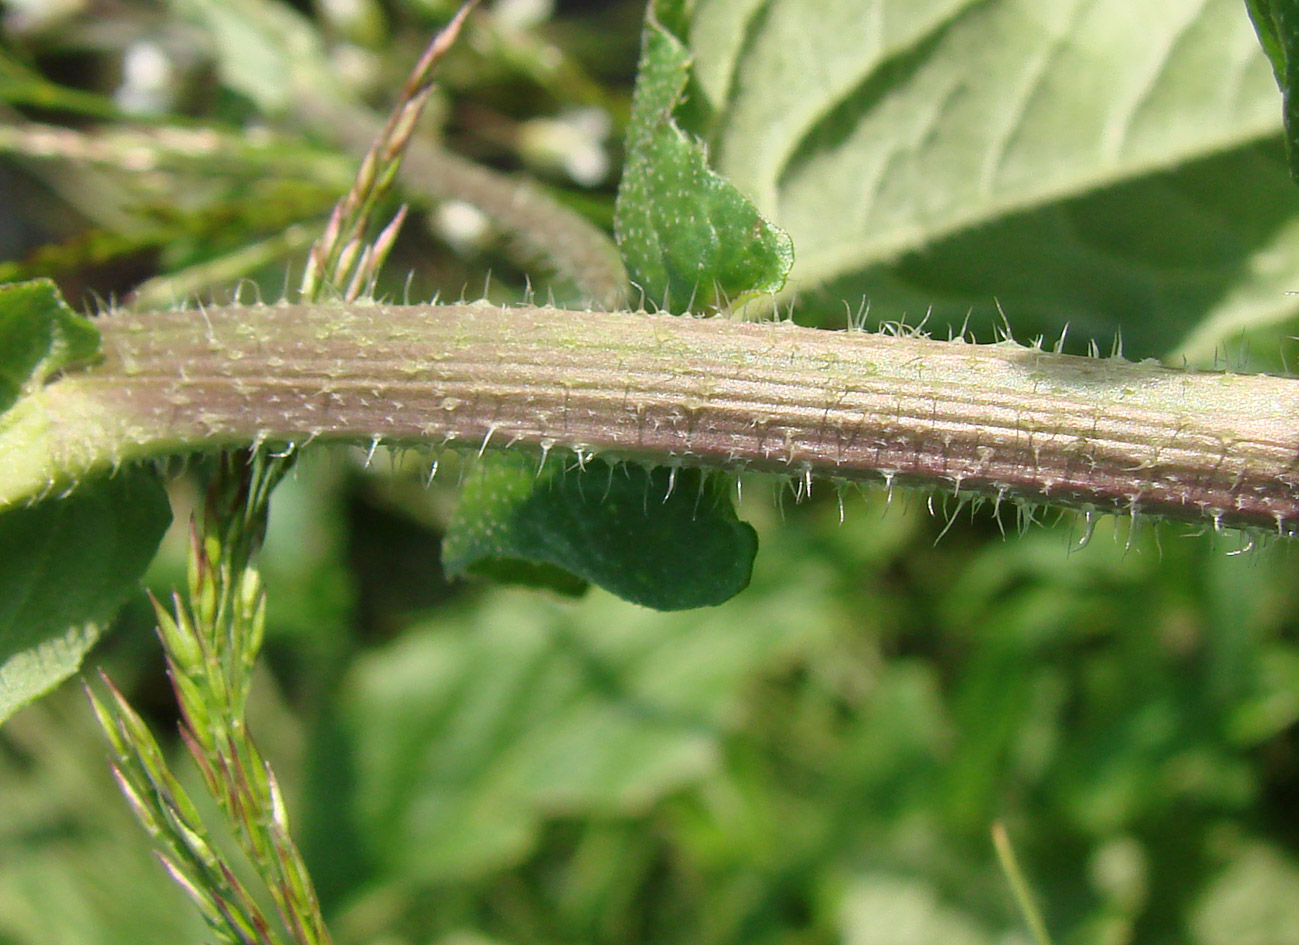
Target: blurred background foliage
column 819, row 760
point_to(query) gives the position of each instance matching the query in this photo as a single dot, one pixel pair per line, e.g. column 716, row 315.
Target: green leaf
column 39, row 335
column 66, row 565
column 943, row 114
column 1277, row 24
column 1180, row 263
column 689, row 238
column 467, row 733
column 663, row 538
column 946, row 153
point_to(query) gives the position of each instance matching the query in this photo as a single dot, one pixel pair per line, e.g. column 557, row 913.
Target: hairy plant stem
column 1000, row 420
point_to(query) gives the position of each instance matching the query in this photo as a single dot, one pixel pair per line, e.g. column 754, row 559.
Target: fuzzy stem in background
column 999, row 420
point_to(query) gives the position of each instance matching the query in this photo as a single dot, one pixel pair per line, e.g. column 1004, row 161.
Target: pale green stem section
column 1028, row 907
column 999, row 420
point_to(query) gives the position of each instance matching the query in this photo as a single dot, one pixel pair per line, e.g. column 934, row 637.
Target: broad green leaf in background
column 952, row 154
column 689, row 238
column 1182, row 262
column 874, row 128
column 666, row 539
column 39, row 335
column 66, row 565
column 1277, row 25
column 467, row 733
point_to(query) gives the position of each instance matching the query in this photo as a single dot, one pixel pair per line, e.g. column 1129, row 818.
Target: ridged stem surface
column 1000, row 420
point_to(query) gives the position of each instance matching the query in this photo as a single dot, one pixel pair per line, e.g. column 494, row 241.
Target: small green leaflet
column 666, row 539
column 1277, row 25
column 39, row 335
column 689, row 238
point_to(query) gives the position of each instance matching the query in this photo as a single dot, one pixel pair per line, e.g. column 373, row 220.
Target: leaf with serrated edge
column 689, row 238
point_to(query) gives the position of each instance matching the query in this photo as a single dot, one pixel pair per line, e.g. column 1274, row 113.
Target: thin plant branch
column 1019, row 887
